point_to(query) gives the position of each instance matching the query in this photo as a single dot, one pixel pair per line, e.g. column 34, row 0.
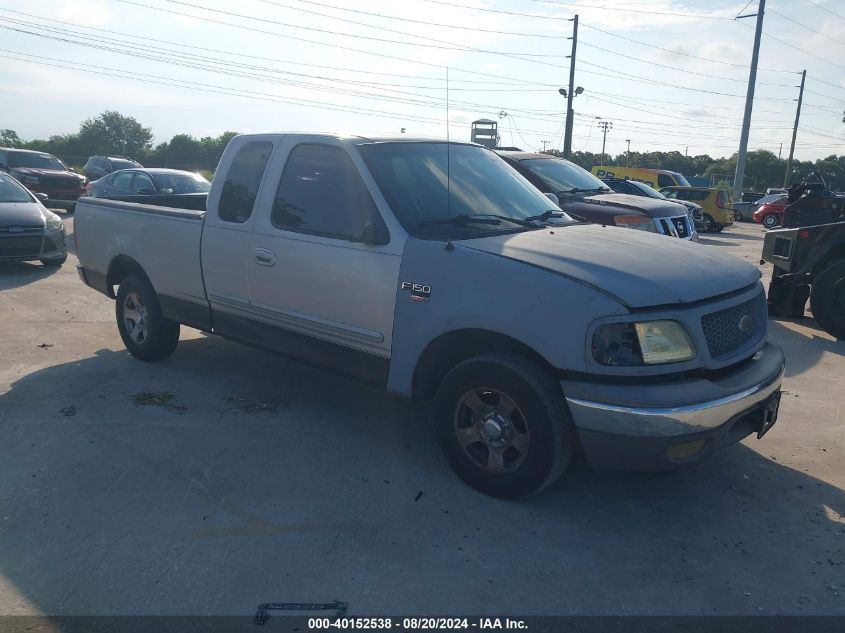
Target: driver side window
column 122, row 180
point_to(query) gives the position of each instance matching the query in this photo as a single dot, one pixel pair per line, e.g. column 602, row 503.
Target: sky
column 667, row 75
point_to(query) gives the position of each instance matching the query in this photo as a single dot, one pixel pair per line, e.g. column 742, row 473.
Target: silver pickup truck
column 435, row 270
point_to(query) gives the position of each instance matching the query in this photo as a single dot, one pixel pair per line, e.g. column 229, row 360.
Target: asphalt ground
column 225, row 477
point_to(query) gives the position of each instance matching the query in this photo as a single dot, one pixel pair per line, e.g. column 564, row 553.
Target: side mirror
column 553, row 197
column 375, row 234
column 43, row 197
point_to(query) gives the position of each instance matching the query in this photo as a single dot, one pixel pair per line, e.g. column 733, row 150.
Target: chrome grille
column 730, row 330
column 675, row 226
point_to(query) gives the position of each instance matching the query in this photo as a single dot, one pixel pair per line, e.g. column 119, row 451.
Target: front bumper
column 642, row 425
column 33, row 246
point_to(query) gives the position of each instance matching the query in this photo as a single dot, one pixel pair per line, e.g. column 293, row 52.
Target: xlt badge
column 419, row 292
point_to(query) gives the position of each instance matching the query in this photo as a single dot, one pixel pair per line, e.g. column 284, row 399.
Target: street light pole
column 567, row 138
column 628, row 153
column 749, row 102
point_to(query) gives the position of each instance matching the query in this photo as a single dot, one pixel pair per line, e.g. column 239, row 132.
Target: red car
column 770, row 214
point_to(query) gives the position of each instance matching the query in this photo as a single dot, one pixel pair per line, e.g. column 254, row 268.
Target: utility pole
column 780, row 150
column 628, row 153
column 567, row 138
column 749, row 101
column 794, row 130
column 604, row 125
column 544, row 145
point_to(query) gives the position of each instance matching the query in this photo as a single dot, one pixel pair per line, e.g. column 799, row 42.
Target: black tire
column 738, row 216
column 541, row 419
column 152, row 337
column 770, row 221
column 54, row 263
column 719, row 228
column 708, row 223
column 827, row 299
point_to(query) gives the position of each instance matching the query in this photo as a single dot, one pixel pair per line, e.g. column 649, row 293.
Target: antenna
column 448, row 153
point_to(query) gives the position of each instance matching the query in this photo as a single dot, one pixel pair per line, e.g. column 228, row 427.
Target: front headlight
column 54, row 223
column 638, row 222
column 645, row 343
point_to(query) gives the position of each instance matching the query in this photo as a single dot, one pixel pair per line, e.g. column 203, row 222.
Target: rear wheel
column 708, row 223
column 827, row 299
column 770, row 221
column 147, row 334
column 503, row 425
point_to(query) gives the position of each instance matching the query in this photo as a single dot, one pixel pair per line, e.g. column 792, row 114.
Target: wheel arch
column 452, row 348
column 121, row 267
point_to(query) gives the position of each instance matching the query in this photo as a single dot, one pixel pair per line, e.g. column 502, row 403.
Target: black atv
column 808, row 255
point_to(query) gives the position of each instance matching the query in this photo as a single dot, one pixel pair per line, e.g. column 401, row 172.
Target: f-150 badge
column 419, row 292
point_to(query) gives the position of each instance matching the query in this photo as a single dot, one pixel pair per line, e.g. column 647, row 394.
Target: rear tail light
column 720, row 199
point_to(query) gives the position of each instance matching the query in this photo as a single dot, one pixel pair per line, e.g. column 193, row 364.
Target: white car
column 28, row 230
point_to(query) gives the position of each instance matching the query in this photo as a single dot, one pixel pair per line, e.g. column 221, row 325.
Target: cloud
column 85, row 13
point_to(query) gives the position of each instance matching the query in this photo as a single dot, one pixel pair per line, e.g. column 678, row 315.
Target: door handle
column 264, row 257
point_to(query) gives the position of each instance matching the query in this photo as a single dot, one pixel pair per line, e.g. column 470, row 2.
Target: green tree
column 10, row 138
column 113, row 133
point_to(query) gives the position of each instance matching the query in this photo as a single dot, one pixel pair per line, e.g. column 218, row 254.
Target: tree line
column 114, row 134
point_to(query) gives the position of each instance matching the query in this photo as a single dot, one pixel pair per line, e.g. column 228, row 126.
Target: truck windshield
column 445, row 191
column 563, row 176
column 647, row 191
column 35, row 161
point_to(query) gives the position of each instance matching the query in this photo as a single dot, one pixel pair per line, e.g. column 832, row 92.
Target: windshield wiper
column 459, row 220
column 545, row 215
column 464, row 219
column 577, row 190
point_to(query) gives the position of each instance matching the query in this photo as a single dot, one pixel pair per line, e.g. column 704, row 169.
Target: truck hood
column 637, row 269
column 620, row 203
column 53, row 173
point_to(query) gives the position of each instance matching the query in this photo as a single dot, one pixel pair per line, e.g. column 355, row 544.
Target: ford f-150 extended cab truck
column 435, row 270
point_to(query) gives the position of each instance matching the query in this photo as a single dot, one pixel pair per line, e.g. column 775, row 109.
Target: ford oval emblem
column 745, row 324
column 15, row 229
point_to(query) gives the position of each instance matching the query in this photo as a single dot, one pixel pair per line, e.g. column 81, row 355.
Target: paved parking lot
column 225, row 477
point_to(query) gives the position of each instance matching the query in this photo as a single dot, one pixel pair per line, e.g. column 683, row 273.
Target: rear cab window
column 237, row 197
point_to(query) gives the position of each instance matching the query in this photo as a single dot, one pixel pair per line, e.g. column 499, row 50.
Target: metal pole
column 604, row 125
column 567, row 139
column 794, row 131
column 749, row 102
column 628, row 153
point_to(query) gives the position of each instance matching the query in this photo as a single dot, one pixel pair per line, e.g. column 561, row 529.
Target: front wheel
column 770, row 221
column 503, row 425
column 708, row 222
column 54, row 263
column 147, row 334
column 827, row 299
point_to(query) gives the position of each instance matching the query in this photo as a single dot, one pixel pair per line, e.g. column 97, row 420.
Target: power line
column 675, row 52
column 413, row 21
column 797, row 48
column 698, row 16
column 443, row 45
column 145, row 39
column 823, row 8
column 803, row 26
column 683, row 70
column 639, row 78
column 330, row 45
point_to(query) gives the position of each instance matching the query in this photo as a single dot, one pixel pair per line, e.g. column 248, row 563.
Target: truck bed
column 164, row 241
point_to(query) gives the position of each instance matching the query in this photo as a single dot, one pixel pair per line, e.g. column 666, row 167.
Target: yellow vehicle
column 716, row 212
column 654, row 178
